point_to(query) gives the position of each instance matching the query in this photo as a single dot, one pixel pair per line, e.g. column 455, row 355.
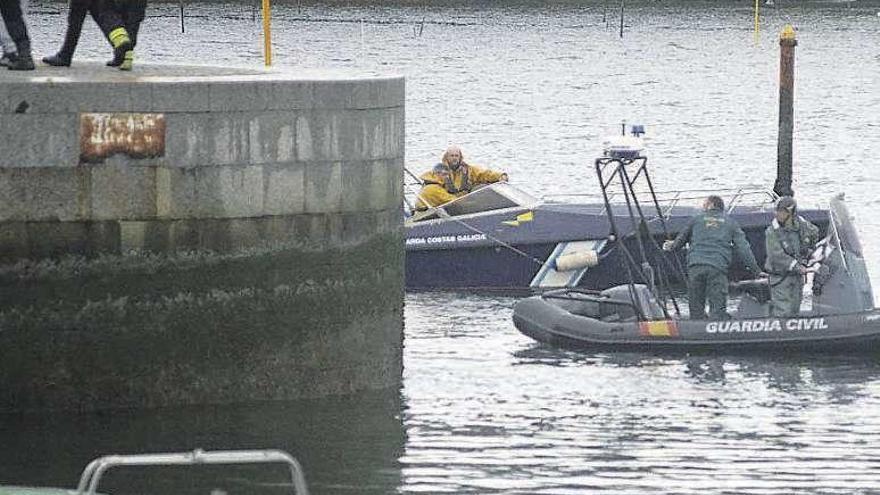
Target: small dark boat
column 636, row 316
column 501, row 238
column 607, row 321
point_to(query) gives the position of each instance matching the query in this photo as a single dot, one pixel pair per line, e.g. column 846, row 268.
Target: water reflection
column 538, row 419
column 345, row 445
column 844, row 375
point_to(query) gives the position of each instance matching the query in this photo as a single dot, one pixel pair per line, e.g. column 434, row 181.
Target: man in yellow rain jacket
column 452, row 178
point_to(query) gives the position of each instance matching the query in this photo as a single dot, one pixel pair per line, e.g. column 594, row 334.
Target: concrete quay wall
column 189, row 235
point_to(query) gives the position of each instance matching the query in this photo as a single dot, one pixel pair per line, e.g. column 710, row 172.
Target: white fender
column 577, row 260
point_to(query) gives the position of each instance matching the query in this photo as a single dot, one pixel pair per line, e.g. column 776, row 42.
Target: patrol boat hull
column 558, row 323
column 498, row 238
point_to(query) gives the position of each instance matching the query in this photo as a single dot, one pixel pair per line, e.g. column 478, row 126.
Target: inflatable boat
column 605, row 322
column 637, row 316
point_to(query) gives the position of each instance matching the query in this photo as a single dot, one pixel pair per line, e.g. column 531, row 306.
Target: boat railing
column 668, row 200
column 411, row 187
column 732, row 197
column 91, row 476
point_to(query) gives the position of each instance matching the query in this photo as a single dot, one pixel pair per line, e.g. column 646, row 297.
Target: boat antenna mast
column 623, row 168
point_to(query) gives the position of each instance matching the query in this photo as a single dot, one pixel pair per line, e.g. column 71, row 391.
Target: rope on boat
column 442, row 213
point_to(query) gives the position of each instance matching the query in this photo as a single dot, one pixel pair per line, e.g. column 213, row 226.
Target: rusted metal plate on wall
column 137, row 135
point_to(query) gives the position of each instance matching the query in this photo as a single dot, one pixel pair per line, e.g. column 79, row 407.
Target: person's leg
column 76, row 15
column 124, row 10
column 785, row 296
column 6, row 43
column 7, row 46
column 132, row 14
column 107, row 16
column 716, row 293
column 797, row 295
column 135, row 12
column 778, row 296
column 15, row 25
column 697, row 292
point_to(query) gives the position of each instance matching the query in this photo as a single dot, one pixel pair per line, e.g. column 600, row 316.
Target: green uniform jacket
column 789, row 244
column 713, row 236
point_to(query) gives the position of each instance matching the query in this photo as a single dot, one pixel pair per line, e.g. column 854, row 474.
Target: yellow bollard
column 267, row 33
column 757, row 28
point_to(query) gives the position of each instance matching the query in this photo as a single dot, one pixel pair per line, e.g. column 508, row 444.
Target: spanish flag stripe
column 662, row 328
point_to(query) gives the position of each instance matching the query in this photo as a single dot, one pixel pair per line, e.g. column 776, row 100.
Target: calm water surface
column 483, row 409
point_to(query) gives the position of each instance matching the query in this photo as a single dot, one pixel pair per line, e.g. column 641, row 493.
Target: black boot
column 57, row 60
column 118, row 58
column 24, row 60
column 125, row 54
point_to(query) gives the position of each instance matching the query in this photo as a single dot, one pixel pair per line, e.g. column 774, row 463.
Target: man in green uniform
column 790, row 240
column 713, row 237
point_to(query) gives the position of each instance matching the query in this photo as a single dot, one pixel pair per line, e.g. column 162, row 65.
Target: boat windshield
column 843, row 228
column 491, row 197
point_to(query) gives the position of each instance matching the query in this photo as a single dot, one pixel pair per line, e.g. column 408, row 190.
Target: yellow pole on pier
column 267, row 33
column 757, row 26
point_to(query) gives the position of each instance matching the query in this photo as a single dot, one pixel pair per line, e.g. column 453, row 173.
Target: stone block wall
column 258, row 256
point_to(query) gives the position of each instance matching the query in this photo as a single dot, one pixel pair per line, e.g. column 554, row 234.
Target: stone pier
column 190, row 235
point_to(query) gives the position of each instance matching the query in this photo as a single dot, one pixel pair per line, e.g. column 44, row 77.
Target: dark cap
column 715, row 203
column 786, row 203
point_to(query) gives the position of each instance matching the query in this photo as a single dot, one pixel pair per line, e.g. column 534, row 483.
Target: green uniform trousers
column 707, row 283
column 786, row 295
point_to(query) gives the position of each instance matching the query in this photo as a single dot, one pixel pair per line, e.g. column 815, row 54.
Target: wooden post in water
column 787, row 42
column 182, row 25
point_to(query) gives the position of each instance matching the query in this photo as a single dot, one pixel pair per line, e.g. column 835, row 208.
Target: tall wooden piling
column 787, row 42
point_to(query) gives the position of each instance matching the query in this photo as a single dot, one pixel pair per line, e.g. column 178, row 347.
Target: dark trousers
column 76, row 15
column 108, row 14
column 12, row 16
column 786, row 294
column 707, row 283
column 132, row 13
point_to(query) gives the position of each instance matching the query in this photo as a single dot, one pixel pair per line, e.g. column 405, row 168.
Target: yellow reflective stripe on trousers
column 119, row 36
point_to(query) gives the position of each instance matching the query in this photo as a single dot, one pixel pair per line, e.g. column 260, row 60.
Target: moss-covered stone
column 273, row 324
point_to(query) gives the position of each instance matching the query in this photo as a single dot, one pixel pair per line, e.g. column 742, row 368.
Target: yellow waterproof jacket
column 439, row 190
